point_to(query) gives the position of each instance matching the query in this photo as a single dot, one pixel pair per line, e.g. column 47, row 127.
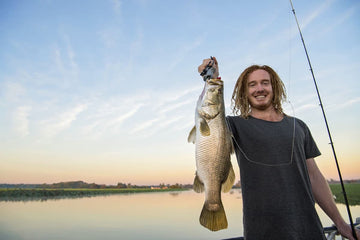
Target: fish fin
column 232, row 149
column 192, row 135
column 204, row 128
column 213, row 217
column 198, row 186
column 228, row 184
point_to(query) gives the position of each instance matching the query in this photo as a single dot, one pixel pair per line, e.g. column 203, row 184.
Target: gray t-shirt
column 277, row 199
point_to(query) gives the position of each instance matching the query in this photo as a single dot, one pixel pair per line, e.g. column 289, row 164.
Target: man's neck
column 268, row 115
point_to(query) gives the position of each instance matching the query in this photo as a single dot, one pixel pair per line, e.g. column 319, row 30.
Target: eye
column 267, row 82
column 252, row 84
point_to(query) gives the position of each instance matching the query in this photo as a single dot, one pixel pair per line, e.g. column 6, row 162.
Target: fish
column 213, row 148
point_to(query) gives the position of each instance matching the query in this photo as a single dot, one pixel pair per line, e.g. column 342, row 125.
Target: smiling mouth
column 260, row 97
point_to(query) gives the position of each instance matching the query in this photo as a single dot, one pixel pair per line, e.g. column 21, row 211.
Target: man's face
column 260, row 91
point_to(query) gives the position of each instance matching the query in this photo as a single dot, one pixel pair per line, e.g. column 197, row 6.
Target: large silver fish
column 213, row 147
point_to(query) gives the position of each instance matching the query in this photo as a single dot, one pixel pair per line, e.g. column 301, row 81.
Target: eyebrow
column 262, row 80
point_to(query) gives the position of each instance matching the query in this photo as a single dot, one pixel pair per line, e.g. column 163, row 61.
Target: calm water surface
column 125, row 216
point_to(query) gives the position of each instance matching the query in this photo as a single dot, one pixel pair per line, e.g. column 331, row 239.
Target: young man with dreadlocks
column 279, row 178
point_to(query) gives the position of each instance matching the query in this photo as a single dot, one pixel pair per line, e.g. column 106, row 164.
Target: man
column 279, row 178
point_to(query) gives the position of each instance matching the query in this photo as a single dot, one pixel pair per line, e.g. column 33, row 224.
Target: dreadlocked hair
column 240, row 101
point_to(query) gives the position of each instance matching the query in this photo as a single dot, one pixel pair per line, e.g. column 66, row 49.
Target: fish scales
column 213, row 147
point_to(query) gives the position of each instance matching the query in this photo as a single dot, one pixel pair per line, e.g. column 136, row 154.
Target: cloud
column 145, row 125
column 13, row 91
column 66, row 67
column 70, row 54
column 316, row 13
column 136, row 45
column 107, row 115
column 20, row 120
column 165, row 111
column 185, row 51
column 174, row 106
column 305, row 107
column 114, row 122
column 340, row 20
column 62, row 121
column 348, row 103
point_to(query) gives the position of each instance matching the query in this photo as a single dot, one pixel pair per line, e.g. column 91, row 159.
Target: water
column 158, row 216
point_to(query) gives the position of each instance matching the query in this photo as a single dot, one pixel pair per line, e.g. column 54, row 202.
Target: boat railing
column 330, row 232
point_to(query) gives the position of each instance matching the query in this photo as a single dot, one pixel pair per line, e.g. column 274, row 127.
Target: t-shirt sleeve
column 311, row 150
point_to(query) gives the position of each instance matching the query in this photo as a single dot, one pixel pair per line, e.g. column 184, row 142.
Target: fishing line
column 327, row 126
column 260, row 163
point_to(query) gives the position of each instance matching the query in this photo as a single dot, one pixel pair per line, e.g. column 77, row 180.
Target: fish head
column 212, row 100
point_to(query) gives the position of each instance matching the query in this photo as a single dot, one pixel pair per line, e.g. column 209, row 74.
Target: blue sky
column 105, row 91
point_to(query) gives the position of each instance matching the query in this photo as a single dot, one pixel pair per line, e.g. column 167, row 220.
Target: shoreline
column 21, row 194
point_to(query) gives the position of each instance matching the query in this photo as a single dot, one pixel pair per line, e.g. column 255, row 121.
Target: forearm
column 322, row 193
column 323, row 196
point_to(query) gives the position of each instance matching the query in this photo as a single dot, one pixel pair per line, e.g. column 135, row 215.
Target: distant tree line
column 84, row 185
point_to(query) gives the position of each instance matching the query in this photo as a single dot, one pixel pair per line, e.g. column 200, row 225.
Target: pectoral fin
column 198, row 185
column 192, row 135
column 232, row 149
column 204, row 128
column 228, row 184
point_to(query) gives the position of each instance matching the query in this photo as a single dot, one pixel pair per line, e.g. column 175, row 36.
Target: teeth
column 260, row 97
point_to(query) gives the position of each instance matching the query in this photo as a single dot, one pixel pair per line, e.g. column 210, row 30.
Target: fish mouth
column 206, row 104
column 218, row 82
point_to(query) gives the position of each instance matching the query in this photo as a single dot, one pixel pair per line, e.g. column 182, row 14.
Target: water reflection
column 125, row 216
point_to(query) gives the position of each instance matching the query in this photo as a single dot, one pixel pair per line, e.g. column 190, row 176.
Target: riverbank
column 352, row 192
column 44, row 194
column 26, row 194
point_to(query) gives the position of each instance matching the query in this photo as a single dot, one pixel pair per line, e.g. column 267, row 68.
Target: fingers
column 206, row 62
column 215, row 61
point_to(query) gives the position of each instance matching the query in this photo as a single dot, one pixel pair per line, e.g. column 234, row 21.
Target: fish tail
column 213, row 216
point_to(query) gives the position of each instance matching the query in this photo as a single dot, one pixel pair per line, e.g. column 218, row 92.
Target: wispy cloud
column 62, row 121
column 145, row 125
column 66, row 69
column 107, row 116
column 13, row 91
column 70, row 54
column 185, row 51
column 174, row 106
column 316, row 13
column 348, row 103
column 305, row 107
column 136, row 47
column 21, row 121
column 339, row 20
column 113, row 123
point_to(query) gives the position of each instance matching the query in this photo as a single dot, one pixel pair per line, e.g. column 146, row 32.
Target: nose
column 259, row 88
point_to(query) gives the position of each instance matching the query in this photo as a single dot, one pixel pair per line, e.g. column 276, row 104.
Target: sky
column 105, row 91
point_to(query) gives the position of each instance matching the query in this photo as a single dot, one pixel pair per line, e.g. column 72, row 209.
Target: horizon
column 106, row 91
column 235, row 183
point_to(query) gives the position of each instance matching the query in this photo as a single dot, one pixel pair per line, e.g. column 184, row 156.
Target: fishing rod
column 327, row 127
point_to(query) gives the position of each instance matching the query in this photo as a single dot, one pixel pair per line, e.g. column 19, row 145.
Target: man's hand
column 345, row 231
column 215, row 65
